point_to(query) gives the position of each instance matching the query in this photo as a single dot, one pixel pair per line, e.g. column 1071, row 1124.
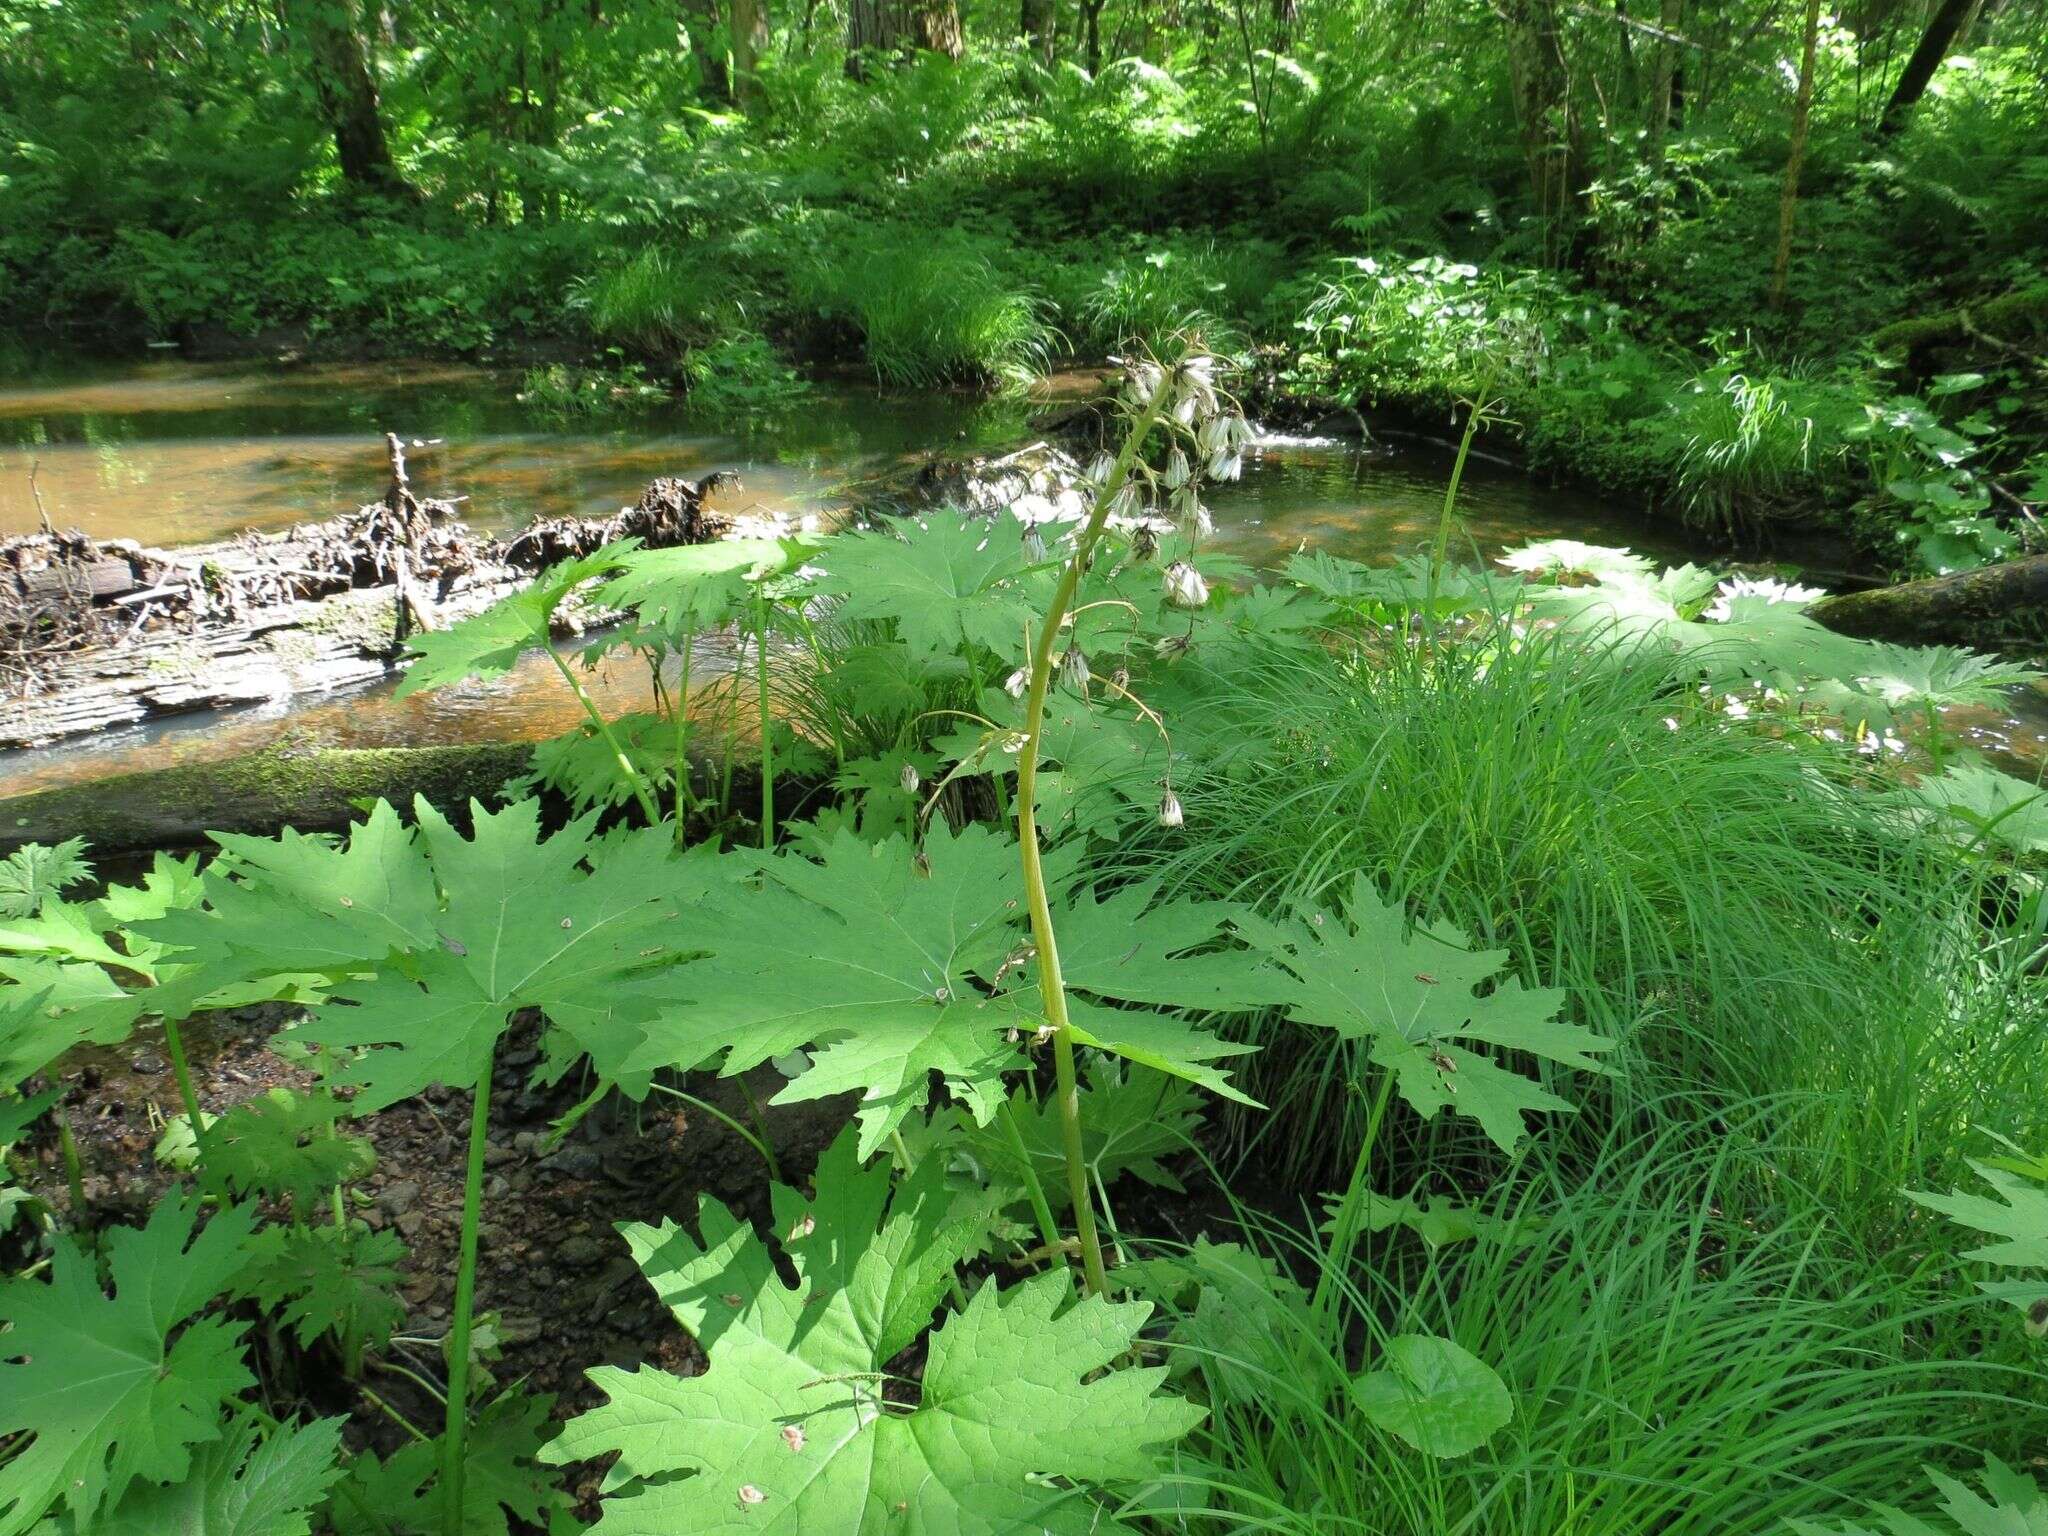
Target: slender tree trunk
column 1543, row 108
column 749, row 42
column 1950, row 20
column 1091, row 34
column 1663, row 95
column 347, row 93
column 701, row 21
column 1039, row 21
column 1788, row 197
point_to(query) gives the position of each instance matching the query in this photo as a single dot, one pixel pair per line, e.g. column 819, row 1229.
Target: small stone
column 410, row 1223
column 397, row 1199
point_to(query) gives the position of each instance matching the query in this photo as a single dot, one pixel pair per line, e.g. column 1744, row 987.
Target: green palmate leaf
column 17, row 1115
column 581, row 766
column 99, row 1384
column 34, row 874
column 871, row 957
column 333, row 1280
column 1131, row 1118
column 692, row 587
column 2012, row 1505
column 502, row 1479
column 796, row 1427
column 49, row 1008
column 2018, row 1218
column 1441, row 1399
column 946, row 581
column 1413, row 998
column 490, row 643
column 1238, row 1317
column 281, row 1144
column 250, row 1484
column 457, row 934
column 1978, row 802
column 889, row 963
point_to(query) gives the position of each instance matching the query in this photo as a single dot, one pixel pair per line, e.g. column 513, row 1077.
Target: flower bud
column 1170, row 812
column 1125, row 502
column 1099, row 469
column 1074, row 669
column 911, row 780
column 1184, row 586
column 1034, row 544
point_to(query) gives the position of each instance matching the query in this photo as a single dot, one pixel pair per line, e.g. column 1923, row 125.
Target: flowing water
column 171, row 452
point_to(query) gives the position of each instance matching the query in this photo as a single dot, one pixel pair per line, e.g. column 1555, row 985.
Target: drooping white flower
column 910, row 779
column 1224, row 466
column 1034, row 544
column 1184, row 586
column 1177, row 471
column 1170, row 812
column 1074, row 669
column 1017, row 682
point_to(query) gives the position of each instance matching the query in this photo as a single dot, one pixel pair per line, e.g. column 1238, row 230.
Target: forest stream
column 170, row 452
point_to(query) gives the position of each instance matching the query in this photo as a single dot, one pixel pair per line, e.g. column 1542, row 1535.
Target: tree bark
column 749, row 42
column 1788, row 197
column 701, row 22
column 1949, row 21
column 1663, row 84
column 901, row 26
column 1543, row 109
column 347, row 93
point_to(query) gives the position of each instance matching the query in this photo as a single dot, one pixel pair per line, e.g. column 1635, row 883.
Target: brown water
column 170, row 452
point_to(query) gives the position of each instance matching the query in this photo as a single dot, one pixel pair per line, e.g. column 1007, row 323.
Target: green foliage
column 339, row 1281
column 249, row 1484
column 2015, row 1504
column 110, row 1390
column 1439, row 1398
column 1410, row 1001
column 34, row 874
column 2019, row 1218
column 1016, row 1418
column 282, row 1145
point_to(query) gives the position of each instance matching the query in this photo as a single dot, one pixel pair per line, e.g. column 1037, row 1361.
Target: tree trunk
column 1949, row 21
column 749, row 42
column 901, row 26
column 1091, row 34
column 348, row 94
column 1788, row 196
column 1543, row 108
column 1039, row 22
column 1663, row 83
column 701, row 22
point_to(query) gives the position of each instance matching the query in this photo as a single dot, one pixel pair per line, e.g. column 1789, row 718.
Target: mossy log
column 312, row 790
column 2010, row 320
column 2001, row 607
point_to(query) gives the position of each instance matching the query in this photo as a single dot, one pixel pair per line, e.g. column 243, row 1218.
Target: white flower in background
column 1214, row 436
column 1099, row 469
column 1144, row 381
column 1184, row 586
column 1722, row 610
column 1170, row 812
column 1017, row 682
column 1224, row 465
column 1034, row 544
column 1125, row 502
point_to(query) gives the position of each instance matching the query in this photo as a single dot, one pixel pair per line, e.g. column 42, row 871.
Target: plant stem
column 74, row 1169
column 767, row 738
column 641, row 792
column 1440, row 548
column 1344, row 1232
column 758, row 1143
column 181, row 1069
column 760, row 1128
column 681, row 708
column 1051, row 984
column 457, row 1433
column 1041, row 1208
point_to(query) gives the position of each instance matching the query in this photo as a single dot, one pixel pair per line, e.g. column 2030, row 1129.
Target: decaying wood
column 1996, row 607
column 102, row 633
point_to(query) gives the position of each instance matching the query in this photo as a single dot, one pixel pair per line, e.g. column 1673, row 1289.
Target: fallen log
column 312, row 790
column 101, row 634
column 2001, row 607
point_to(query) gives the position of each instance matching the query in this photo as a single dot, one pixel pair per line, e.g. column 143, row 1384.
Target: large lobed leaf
column 1413, row 1000
column 103, row 1391
column 797, row 1425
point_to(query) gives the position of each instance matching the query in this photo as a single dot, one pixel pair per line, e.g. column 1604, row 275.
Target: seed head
column 1170, row 813
column 1184, row 586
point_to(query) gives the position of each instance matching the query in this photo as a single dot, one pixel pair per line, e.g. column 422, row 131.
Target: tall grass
column 658, row 301
column 1683, row 1357
column 1721, row 902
